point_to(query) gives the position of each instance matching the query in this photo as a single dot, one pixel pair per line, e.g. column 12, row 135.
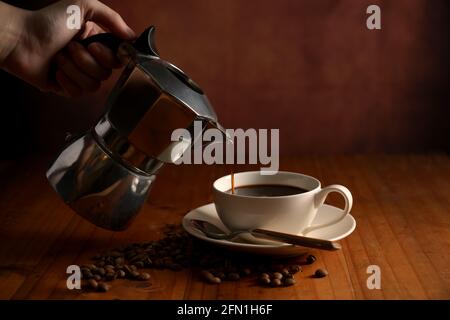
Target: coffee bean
column 218, row 274
column 110, row 275
column 85, row 270
column 102, row 287
column 209, row 277
column 139, row 257
column 119, row 261
column 148, row 262
column 265, row 275
column 311, row 259
column 289, row 282
column 88, row 266
column 92, row 284
column 285, row 272
column 101, row 271
column 276, row 282
column 97, row 277
column 134, row 274
column 121, row 274
column 277, row 275
column 139, row 264
column 320, row 273
column 206, row 274
column 115, row 254
column 127, row 269
column 245, row 272
column 264, row 281
column 130, row 254
column 94, row 269
column 215, row 280
column 88, row 275
column 295, row 268
column 233, row 276
column 144, row 276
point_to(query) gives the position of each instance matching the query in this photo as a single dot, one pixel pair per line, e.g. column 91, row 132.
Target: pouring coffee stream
column 106, row 174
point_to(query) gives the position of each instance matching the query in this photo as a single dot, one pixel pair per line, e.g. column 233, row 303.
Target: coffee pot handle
column 319, row 200
column 144, row 44
column 107, row 39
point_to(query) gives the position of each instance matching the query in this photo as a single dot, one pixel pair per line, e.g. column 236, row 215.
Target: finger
column 81, row 79
column 69, row 87
column 95, row 29
column 90, row 28
column 86, row 62
column 104, row 56
column 107, row 17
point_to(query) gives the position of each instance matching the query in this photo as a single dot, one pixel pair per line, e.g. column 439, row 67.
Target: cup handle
column 319, row 199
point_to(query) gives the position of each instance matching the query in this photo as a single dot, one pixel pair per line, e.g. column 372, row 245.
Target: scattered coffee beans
column 177, row 250
column 264, row 281
column 102, row 287
column 233, row 276
column 289, row 282
column 311, row 259
column 320, row 273
column 209, row 277
column 93, row 284
column 277, row 275
column 144, row 276
column 276, row 282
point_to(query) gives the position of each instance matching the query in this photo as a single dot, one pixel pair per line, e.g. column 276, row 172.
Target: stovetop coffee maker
column 106, row 174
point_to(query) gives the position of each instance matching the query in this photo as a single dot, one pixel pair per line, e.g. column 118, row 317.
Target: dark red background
column 310, row 68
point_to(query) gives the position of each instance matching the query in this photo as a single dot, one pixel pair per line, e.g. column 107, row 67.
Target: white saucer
column 326, row 212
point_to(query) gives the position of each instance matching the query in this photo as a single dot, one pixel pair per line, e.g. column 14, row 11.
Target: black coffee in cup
column 267, row 190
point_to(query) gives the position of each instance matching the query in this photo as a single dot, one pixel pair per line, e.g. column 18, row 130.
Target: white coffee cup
column 290, row 213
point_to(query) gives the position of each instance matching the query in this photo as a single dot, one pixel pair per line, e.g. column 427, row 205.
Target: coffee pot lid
column 171, row 79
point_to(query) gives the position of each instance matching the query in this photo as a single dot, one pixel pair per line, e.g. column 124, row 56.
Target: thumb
column 106, row 17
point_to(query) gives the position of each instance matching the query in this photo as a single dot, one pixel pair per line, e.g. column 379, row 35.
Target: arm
column 12, row 25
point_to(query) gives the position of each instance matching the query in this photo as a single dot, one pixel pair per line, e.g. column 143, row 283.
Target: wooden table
column 401, row 204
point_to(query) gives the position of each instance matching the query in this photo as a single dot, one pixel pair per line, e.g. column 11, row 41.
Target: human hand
column 41, row 39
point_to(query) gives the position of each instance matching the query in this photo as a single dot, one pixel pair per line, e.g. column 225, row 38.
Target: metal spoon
column 214, row 232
